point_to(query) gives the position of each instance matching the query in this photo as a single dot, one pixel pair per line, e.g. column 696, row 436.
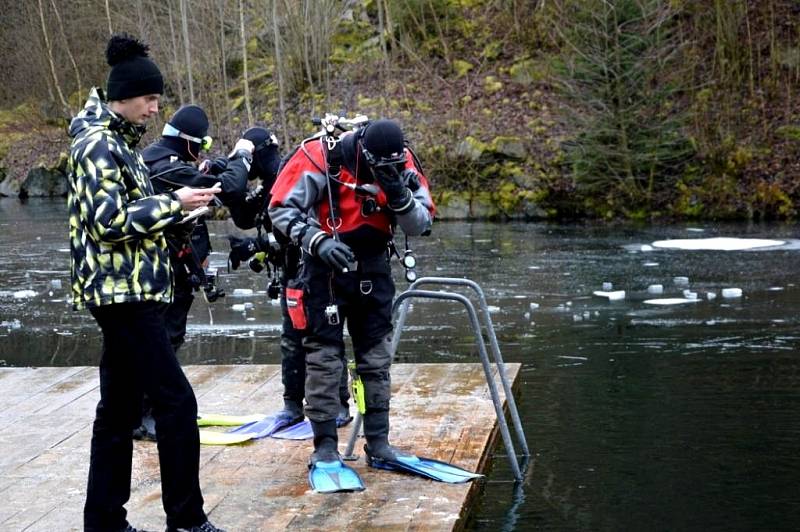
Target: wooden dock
column 442, row 411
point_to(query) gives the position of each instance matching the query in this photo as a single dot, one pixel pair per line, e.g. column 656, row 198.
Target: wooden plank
column 442, row 411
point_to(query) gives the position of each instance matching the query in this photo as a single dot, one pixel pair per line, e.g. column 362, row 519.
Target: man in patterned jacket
column 121, row 272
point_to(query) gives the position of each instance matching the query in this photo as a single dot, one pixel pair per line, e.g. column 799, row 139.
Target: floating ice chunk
column 577, row 317
column 617, row 295
column 646, row 247
column 527, row 315
column 534, row 306
column 695, row 230
column 242, row 292
column 493, row 309
column 239, row 307
column 730, row 293
column 534, row 267
column 718, row 243
column 24, row 294
column 55, row 284
column 680, row 281
column 711, row 296
column 688, row 294
column 650, row 264
column 11, row 325
column 608, row 286
column 775, row 288
column 251, row 334
column 655, row 289
column 670, row 301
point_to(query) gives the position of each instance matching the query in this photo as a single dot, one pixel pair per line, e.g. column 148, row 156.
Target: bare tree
column 187, row 55
column 51, row 61
column 67, row 47
column 279, row 70
column 245, row 80
column 176, row 64
column 108, row 17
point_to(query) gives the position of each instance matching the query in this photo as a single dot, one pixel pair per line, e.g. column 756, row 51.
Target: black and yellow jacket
column 116, row 223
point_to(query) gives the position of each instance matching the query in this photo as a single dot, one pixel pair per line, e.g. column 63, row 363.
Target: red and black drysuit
column 301, row 209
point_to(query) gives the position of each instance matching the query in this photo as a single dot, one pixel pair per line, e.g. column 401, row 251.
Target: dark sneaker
column 205, row 527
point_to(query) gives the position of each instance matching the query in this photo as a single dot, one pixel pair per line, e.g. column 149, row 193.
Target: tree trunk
column 187, row 55
column 223, row 62
column 244, row 66
column 67, row 49
column 279, row 69
column 176, row 64
column 108, row 18
column 52, row 62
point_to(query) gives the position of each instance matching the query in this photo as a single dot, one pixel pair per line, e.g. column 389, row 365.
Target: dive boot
column 326, row 471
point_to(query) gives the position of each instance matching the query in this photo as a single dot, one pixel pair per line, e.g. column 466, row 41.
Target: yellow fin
column 224, row 420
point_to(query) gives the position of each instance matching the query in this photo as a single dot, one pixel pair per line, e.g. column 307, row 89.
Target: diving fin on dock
column 423, row 467
column 332, row 476
column 211, row 437
column 298, row 431
column 225, row 420
column 303, row 431
column 269, row 425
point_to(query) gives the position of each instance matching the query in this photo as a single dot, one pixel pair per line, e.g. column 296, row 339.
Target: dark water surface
column 639, row 417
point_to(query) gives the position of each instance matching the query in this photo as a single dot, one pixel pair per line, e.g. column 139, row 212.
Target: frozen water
column 242, row 292
column 24, row 294
column 680, row 281
column 617, row 295
column 655, row 289
column 608, row 286
column 730, row 293
column 718, row 243
column 670, row 301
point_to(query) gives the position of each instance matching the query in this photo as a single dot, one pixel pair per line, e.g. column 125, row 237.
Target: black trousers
column 137, row 358
column 177, row 312
column 364, row 301
column 293, row 363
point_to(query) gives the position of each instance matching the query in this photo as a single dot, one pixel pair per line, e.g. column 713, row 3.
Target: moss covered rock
column 509, row 147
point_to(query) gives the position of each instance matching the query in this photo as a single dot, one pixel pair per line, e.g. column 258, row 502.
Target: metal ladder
column 404, row 300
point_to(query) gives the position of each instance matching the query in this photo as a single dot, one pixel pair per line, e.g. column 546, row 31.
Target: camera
column 332, row 313
column 212, row 291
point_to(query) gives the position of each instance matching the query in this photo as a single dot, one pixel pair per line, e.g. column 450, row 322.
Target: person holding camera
column 340, row 202
column 270, row 247
column 121, row 272
column 174, row 162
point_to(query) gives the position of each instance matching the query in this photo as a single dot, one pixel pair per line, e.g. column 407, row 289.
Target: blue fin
column 303, row 431
column 298, row 431
column 334, row 476
column 424, row 467
column 267, row 426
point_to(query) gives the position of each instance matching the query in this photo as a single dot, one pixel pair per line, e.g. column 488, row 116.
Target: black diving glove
column 392, row 184
column 218, row 165
column 411, row 179
column 241, row 250
column 335, row 254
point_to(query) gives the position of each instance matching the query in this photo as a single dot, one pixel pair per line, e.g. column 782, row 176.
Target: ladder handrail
column 473, row 318
column 498, row 358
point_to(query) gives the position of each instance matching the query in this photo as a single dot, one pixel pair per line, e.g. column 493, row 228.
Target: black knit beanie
column 384, row 139
column 132, row 72
column 192, row 120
